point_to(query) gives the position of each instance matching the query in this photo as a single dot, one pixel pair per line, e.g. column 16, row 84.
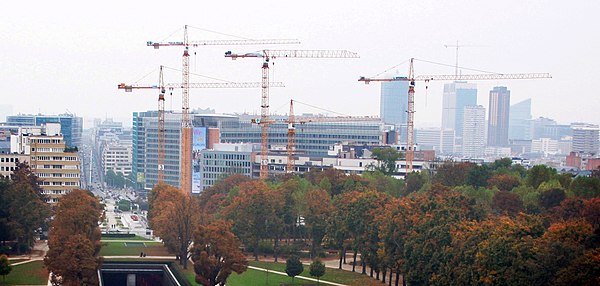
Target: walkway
column 300, row 277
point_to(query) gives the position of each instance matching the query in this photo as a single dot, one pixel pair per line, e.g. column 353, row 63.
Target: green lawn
column 32, row 273
column 152, row 248
column 259, row 278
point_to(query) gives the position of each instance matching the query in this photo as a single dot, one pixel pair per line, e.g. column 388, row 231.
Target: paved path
column 300, row 277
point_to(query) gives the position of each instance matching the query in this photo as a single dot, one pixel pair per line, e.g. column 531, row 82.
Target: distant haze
column 59, row 56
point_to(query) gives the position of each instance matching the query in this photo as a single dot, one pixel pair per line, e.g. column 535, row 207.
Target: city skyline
column 59, row 60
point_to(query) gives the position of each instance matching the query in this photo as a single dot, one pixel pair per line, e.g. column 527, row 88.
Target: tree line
column 466, row 224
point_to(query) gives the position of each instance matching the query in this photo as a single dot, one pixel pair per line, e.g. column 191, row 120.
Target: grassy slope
column 32, row 273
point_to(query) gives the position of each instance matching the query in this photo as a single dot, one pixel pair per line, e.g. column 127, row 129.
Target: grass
column 32, row 273
column 152, row 248
column 259, row 278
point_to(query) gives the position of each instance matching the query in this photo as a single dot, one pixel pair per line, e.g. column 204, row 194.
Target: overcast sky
column 69, row 56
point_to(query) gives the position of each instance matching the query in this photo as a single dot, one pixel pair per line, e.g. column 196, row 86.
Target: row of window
column 47, row 141
column 54, row 158
column 46, row 183
column 58, row 175
column 9, row 160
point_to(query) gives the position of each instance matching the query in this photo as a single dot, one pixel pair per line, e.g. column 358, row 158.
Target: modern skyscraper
column 473, row 141
column 394, row 104
column 456, row 96
column 585, row 138
column 519, row 122
column 499, row 110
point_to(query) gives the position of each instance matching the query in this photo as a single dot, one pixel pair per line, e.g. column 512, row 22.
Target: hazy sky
column 59, row 56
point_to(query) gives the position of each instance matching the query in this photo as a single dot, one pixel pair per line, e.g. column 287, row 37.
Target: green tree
column 5, row 267
column 293, row 267
column 539, row 174
column 478, row 176
column 386, row 159
column 318, row 211
column 415, row 181
column 585, row 187
column 317, row 269
column 24, row 207
column 216, row 254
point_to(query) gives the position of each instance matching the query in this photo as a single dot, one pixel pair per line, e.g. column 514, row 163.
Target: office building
column 56, row 166
column 519, row 122
column 224, row 160
column 116, row 157
column 585, row 138
column 9, row 161
column 543, row 127
column 473, row 137
column 456, row 96
column 498, row 115
column 442, row 141
column 312, row 138
column 394, row 104
column 71, row 126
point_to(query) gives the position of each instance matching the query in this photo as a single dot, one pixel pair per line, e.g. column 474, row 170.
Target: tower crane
column 161, row 105
column 426, row 78
column 292, row 121
column 186, row 124
column 267, row 55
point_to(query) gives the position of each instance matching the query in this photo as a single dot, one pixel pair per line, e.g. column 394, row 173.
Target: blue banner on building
column 199, row 141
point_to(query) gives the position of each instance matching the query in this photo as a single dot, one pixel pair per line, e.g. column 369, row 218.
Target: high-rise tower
column 393, row 104
column 457, row 95
column 519, row 120
column 473, row 131
column 499, row 110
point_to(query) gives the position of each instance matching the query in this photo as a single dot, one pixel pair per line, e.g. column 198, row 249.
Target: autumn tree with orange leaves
column 74, row 240
column 216, row 254
column 174, row 215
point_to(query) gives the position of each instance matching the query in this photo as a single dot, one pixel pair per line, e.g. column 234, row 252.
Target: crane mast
column 161, row 128
column 266, row 55
column 186, row 125
column 426, row 78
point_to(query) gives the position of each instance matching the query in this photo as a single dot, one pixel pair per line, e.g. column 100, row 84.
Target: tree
column 386, row 159
column 504, row 182
column 415, row 181
column 586, row 187
column 552, row 197
column 74, row 240
column 174, row 215
column 318, row 210
column 539, row 174
column 317, row 269
column 5, row 267
column 293, row 267
column 507, row 203
column 216, row 254
column 252, row 212
column 24, row 209
column 452, row 174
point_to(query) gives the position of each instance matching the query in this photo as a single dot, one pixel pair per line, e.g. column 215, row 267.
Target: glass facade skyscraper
column 394, row 104
column 519, row 122
column 498, row 114
column 456, row 96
